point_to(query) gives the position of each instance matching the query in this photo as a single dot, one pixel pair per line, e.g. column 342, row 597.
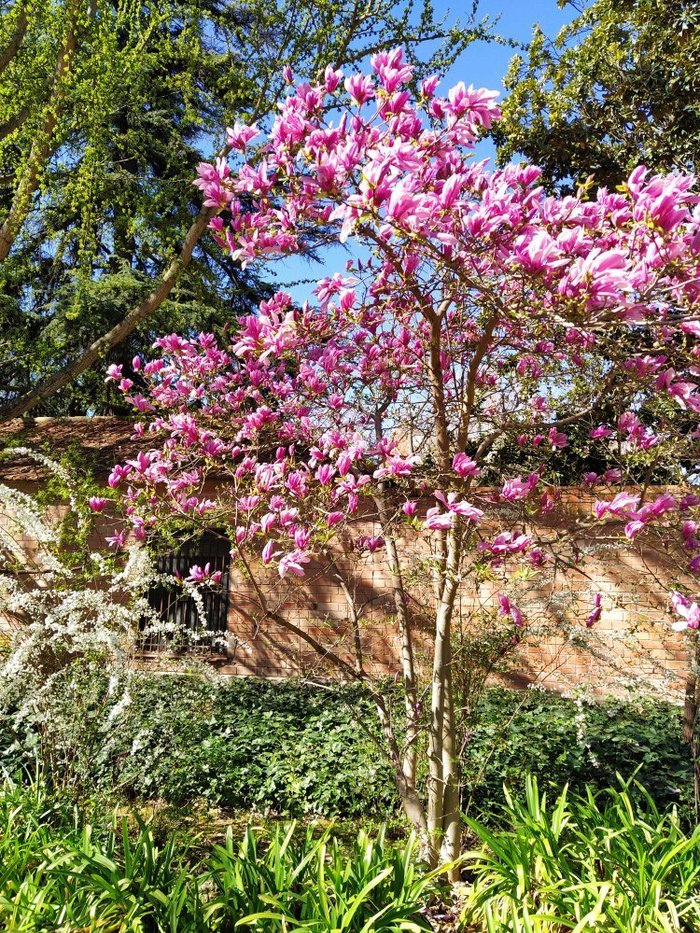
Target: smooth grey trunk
column 406, row 789
column 406, row 779
column 690, row 721
column 444, row 824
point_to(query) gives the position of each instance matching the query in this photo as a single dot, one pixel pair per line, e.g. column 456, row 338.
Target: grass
column 595, row 862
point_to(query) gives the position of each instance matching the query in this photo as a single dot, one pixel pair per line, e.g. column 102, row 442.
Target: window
column 178, row 609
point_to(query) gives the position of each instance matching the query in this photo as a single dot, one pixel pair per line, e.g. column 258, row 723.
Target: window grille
column 178, row 609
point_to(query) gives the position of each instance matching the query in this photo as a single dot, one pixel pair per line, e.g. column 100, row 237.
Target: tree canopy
column 106, row 107
column 618, row 87
column 483, row 312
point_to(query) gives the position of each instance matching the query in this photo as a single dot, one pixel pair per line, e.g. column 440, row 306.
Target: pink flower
column 114, row 373
column 464, row 466
column 633, row 528
column 370, row 543
column 97, row 503
column 344, row 463
column 409, row 507
column 435, row 520
column 557, row 438
column 600, row 431
column 612, row 476
column 595, row 614
column 460, row 507
column 687, row 610
column 334, row 518
column 360, row 88
column 117, row 475
column 324, row 474
column 515, row 489
column 269, row 553
column 507, row 608
column 117, row 540
column 293, row 563
column 331, row 78
column 203, row 574
column 240, row 135
column 506, row 543
column 622, row 504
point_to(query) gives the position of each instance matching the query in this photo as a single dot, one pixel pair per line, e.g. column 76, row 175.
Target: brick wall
column 632, row 642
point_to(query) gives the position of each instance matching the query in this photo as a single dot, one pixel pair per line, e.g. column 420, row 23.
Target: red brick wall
column 632, row 642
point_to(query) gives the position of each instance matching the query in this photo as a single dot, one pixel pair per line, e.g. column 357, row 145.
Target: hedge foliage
column 296, row 748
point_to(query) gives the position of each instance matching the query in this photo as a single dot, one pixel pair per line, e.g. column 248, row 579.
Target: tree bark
column 43, row 142
column 12, row 48
column 443, row 783
column 408, row 668
column 690, row 721
column 119, row 332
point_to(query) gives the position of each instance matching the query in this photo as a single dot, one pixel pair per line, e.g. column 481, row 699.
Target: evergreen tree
column 106, row 107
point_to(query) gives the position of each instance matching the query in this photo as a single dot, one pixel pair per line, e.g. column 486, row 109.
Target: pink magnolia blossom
column 688, row 611
column 464, row 466
column 594, row 615
column 435, row 520
column 203, row 574
column 117, row 540
column 515, row 489
column 481, row 313
column 293, row 563
column 622, row 504
column 508, row 608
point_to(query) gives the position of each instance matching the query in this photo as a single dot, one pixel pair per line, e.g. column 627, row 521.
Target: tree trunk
column 444, row 825
column 405, row 785
column 410, row 754
column 690, row 721
column 12, row 47
column 452, row 823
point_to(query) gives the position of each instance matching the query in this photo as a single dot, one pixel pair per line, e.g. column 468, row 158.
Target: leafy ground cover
column 57, row 873
column 606, row 862
column 296, row 749
column 163, row 805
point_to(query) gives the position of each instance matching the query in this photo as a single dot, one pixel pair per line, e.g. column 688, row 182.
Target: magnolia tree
column 483, row 317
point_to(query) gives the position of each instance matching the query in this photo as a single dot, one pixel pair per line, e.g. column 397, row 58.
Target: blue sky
column 483, row 64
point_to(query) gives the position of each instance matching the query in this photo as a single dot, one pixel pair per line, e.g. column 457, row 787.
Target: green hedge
column 294, row 748
column 581, row 743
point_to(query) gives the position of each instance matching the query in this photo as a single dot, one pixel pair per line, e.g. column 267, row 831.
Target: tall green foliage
column 106, row 107
column 619, row 86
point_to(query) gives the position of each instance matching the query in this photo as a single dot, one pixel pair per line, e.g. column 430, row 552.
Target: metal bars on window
column 177, row 609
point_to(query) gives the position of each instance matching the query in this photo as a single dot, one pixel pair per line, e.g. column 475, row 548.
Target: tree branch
column 42, row 146
column 119, row 332
column 16, row 38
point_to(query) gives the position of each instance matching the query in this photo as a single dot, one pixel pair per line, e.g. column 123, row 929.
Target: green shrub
column 248, row 744
column 583, row 743
column 297, row 749
column 606, row 862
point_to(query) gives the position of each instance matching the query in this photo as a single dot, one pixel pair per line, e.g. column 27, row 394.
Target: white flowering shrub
column 61, row 603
